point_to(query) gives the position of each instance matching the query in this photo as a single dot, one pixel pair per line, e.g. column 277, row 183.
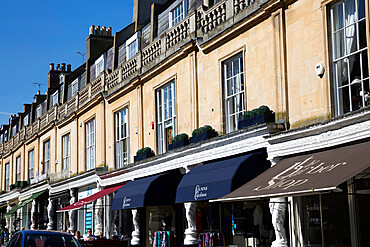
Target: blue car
column 42, row 239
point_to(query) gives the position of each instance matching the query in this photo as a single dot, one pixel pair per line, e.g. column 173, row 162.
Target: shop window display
column 122, row 225
column 161, row 226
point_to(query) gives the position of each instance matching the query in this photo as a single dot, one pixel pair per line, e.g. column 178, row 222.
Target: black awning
column 306, row 174
column 217, row 179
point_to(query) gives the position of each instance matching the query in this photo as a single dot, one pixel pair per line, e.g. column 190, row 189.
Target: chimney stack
column 69, row 68
column 52, row 66
column 63, row 66
column 58, row 66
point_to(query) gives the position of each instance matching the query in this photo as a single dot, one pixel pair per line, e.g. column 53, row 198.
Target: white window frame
column 90, row 144
column 99, row 62
column 184, row 6
column 31, row 163
column 66, row 152
column 7, row 176
column 26, row 120
column 1, row 138
column 134, row 40
column 166, row 115
column 75, row 87
column 61, row 78
column 55, row 98
column 355, row 87
column 121, row 137
column 6, row 136
column 46, row 163
column 235, row 94
column 39, row 111
column 18, row 166
column 14, row 130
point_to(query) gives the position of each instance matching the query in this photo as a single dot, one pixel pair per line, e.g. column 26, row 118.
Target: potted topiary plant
column 23, row 184
column 179, row 141
column 143, row 154
column 260, row 115
column 11, row 187
column 202, row 133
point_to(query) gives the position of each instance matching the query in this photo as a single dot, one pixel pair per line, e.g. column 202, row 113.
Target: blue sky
column 36, row 33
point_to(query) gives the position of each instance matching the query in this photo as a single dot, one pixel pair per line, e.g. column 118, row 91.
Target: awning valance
column 23, row 203
column 151, row 191
column 217, row 179
column 306, row 174
column 90, row 199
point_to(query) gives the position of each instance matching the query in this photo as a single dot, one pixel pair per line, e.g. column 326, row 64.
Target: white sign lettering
column 126, row 202
column 200, row 192
column 286, row 180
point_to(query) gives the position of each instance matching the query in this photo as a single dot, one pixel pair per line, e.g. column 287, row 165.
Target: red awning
column 90, row 199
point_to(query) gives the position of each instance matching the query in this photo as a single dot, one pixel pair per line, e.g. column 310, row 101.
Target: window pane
column 351, row 39
column 361, row 9
column 338, row 17
column 362, row 34
column 344, row 105
column 350, row 11
column 339, row 44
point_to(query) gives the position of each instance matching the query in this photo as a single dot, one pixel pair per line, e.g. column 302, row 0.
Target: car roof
column 44, row 232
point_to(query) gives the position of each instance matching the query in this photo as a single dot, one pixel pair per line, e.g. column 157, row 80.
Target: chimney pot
column 69, row 67
column 103, row 31
column 63, row 66
column 52, row 66
column 92, row 29
column 109, row 31
column 97, row 30
column 58, row 66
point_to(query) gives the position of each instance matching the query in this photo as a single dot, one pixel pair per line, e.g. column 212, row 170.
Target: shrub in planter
column 143, row 154
column 17, row 184
column 12, row 186
column 23, row 184
column 179, row 141
column 260, row 115
column 202, row 133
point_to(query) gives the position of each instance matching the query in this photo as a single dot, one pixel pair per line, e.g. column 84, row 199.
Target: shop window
column 233, row 91
column 90, row 144
column 18, row 164
column 66, row 145
column 46, row 164
column 31, row 164
column 166, row 115
column 121, row 139
column 349, row 56
column 178, row 13
column 161, row 225
column 7, row 176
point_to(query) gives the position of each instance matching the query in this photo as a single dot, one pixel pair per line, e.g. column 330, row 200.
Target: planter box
column 143, row 156
column 202, row 136
column 267, row 117
column 178, row 144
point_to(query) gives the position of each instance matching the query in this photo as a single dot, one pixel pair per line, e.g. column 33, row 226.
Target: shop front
column 216, row 224
column 326, row 195
column 148, row 204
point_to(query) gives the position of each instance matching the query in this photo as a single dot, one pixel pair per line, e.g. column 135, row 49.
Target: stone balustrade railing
column 198, row 24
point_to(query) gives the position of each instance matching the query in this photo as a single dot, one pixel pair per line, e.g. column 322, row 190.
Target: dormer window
column 178, row 13
column 38, row 111
column 6, row 136
column 55, row 98
column 61, row 79
column 26, row 120
column 14, row 131
column 133, row 45
column 99, row 65
column 1, row 138
column 74, row 87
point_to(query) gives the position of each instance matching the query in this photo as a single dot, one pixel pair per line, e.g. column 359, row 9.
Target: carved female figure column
column 136, row 233
column 277, row 210
column 51, row 214
column 33, row 215
column 72, row 213
column 191, row 231
column 99, row 216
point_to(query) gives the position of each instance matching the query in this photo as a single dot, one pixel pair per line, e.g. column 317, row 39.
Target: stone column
column 72, row 213
column 191, row 230
column 51, row 215
column 99, row 216
column 278, row 209
column 135, row 240
column 109, row 226
column 33, row 215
